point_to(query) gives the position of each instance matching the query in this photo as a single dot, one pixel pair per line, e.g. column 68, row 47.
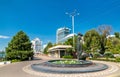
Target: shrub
column 117, row 59
column 96, row 55
column 15, row 60
column 109, row 55
column 19, row 55
column 68, row 57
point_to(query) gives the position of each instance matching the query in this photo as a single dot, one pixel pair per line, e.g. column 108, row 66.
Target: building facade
column 37, row 45
column 61, row 34
column 58, row 51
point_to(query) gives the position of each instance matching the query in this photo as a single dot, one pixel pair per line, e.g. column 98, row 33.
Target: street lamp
column 72, row 15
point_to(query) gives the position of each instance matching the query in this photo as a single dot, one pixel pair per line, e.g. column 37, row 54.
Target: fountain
column 65, row 66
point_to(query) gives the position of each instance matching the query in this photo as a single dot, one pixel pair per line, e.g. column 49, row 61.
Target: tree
column 19, row 47
column 91, row 41
column 109, row 45
column 68, row 51
column 69, row 41
column 47, row 47
column 113, row 45
column 117, row 35
column 104, row 31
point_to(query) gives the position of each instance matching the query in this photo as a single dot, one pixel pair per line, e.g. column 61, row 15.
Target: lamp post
column 72, row 15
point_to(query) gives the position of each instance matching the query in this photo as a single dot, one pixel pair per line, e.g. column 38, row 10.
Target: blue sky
column 41, row 18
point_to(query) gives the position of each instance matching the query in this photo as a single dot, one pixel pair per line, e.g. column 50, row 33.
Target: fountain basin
column 67, row 63
column 80, row 67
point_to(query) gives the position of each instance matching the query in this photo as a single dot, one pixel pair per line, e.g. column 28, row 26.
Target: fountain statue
column 80, row 54
column 79, row 46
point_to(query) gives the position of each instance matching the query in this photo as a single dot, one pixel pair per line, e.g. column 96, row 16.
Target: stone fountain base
column 85, row 67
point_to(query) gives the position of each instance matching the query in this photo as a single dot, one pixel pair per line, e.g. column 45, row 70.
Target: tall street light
column 72, row 15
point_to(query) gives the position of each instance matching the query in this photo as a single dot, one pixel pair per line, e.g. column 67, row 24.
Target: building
column 67, row 37
column 37, row 45
column 110, row 36
column 61, row 34
column 58, row 51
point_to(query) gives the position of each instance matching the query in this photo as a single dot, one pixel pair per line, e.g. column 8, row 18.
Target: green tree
column 91, row 41
column 68, row 51
column 19, row 47
column 47, row 47
column 117, row 35
column 109, row 44
column 69, row 41
column 115, row 46
column 104, row 31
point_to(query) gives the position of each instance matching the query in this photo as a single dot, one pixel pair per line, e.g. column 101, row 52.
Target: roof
column 70, row 35
column 59, row 47
column 63, row 28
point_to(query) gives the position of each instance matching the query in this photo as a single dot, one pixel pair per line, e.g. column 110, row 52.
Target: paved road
column 16, row 69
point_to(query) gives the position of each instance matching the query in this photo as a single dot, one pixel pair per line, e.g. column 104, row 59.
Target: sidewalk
column 45, row 57
column 2, row 65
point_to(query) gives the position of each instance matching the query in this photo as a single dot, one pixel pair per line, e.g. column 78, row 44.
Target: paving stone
column 113, row 67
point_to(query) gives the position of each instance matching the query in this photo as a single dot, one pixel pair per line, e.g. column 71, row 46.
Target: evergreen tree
column 19, row 47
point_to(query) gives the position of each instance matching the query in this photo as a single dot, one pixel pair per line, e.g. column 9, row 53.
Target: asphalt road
column 15, row 69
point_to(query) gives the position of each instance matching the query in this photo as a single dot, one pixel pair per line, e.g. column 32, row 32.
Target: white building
column 62, row 33
column 109, row 36
column 37, row 45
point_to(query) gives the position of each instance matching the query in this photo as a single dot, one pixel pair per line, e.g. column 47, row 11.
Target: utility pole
column 72, row 15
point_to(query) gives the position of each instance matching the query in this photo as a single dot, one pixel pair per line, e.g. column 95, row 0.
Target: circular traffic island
column 68, row 66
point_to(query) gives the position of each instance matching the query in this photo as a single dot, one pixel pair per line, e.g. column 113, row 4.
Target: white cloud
column 4, row 37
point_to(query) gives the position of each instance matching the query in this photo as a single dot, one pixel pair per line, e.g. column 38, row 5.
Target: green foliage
column 117, row 35
column 105, row 59
column 69, row 49
column 96, row 55
column 91, row 41
column 47, row 47
column 117, row 59
column 19, row 47
column 70, row 42
column 68, row 57
column 15, row 60
column 109, row 55
column 113, row 45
